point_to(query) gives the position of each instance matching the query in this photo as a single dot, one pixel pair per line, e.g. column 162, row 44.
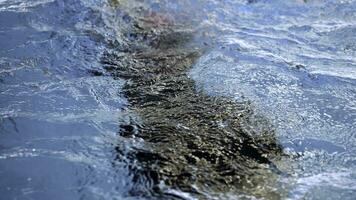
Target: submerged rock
column 193, row 142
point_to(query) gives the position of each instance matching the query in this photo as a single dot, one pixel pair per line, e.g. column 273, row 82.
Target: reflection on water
column 60, row 112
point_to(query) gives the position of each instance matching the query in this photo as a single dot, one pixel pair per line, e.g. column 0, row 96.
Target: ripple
column 293, row 60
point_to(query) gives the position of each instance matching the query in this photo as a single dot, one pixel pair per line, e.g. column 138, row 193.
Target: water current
column 294, row 61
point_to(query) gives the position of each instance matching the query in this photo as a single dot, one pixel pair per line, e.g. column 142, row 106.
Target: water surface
column 293, row 60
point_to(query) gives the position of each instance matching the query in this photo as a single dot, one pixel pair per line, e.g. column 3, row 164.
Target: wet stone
column 186, row 145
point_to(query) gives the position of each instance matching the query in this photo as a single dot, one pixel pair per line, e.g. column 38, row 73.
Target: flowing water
column 294, row 61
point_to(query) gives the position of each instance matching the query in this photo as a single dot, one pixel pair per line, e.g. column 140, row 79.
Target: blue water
column 295, row 62
column 58, row 123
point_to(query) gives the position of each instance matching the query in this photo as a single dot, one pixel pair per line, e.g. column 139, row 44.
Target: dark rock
column 187, row 146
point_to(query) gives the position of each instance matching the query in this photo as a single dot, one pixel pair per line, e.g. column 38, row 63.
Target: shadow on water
column 193, row 142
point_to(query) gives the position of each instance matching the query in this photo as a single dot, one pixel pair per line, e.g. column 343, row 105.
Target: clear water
column 294, row 60
column 58, row 122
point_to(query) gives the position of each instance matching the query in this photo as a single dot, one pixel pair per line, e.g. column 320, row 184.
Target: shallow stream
column 293, row 60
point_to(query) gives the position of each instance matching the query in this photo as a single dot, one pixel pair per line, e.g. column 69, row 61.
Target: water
column 58, row 122
column 296, row 62
column 293, row 60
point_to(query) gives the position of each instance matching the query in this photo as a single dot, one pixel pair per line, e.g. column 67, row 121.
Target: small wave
column 20, row 5
column 338, row 180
